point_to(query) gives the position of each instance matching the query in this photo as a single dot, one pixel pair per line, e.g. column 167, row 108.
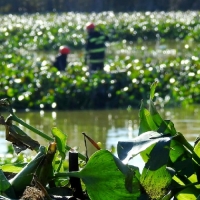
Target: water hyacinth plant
column 171, row 169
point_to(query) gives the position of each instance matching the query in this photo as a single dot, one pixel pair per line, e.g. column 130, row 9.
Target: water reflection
column 108, row 126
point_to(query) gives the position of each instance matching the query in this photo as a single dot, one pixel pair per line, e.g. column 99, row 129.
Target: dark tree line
column 22, row 6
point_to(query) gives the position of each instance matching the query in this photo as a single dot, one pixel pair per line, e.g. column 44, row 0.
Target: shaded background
column 21, row 6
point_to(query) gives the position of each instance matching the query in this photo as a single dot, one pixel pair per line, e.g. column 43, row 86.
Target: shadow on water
column 107, row 126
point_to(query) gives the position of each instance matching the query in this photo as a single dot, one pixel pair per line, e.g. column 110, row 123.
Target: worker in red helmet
column 90, row 26
column 95, row 48
column 61, row 59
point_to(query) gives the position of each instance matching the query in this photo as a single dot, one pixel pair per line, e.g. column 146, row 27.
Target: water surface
column 107, row 126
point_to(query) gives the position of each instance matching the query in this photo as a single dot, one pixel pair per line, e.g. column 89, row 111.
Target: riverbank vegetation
column 143, row 48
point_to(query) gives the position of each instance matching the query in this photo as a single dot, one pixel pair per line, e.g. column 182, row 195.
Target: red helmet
column 90, row 26
column 64, row 50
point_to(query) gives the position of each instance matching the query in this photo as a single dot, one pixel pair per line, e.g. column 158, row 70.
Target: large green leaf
column 126, row 150
column 152, row 121
column 155, row 177
column 105, row 177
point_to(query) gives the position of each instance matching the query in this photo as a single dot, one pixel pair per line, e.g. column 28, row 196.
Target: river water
column 106, row 126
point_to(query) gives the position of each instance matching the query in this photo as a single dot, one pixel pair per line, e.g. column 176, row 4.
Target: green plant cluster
column 28, row 43
column 49, row 31
column 171, row 169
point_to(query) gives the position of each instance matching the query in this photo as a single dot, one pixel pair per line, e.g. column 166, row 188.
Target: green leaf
column 155, row 160
column 168, row 196
column 24, row 177
column 181, row 139
column 104, row 176
column 189, row 193
column 164, row 126
column 13, row 168
column 61, row 140
column 5, row 186
column 167, row 127
column 184, row 167
column 152, row 91
column 197, row 148
column 146, row 121
column 126, row 150
column 176, row 150
column 154, row 113
column 156, row 183
column 46, row 169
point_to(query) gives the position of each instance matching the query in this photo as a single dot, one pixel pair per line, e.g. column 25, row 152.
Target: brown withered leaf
column 20, row 140
column 2, row 120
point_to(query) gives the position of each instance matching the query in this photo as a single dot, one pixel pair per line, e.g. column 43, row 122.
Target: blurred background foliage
column 21, row 6
column 144, row 47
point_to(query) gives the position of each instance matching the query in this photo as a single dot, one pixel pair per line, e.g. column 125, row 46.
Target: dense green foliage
column 28, row 43
column 171, row 169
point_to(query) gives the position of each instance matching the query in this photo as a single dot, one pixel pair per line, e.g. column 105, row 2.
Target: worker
column 61, row 59
column 95, row 48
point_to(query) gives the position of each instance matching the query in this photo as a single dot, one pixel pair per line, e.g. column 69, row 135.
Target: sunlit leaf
column 156, row 183
column 165, row 126
column 146, row 121
column 176, row 150
column 110, row 183
column 61, row 140
column 189, row 193
column 128, row 149
column 155, row 177
column 193, row 179
column 154, row 113
column 197, row 148
column 152, row 91
column 13, row 168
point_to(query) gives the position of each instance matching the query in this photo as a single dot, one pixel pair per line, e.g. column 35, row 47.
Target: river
column 105, row 126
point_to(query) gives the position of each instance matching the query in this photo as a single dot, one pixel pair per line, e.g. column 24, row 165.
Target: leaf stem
column 16, row 119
